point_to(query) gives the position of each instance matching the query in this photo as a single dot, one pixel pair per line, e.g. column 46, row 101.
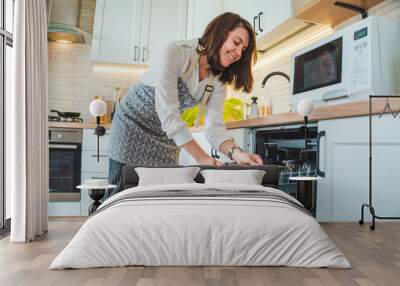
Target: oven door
column 319, row 67
column 64, row 171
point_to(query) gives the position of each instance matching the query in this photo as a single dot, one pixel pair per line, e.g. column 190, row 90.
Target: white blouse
column 172, row 62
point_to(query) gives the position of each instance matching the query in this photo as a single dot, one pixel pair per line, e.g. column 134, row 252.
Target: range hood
column 62, row 18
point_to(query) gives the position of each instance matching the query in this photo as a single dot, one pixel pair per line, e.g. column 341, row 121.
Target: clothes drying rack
column 370, row 204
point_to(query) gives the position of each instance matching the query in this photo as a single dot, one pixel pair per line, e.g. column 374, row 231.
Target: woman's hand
column 245, row 159
column 208, row 161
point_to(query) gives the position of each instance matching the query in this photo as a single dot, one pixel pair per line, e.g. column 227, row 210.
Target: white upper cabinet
column 234, row 6
column 116, row 31
column 271, row 20
column 279, row 22
column 251, row 10
column 164, row 21
column 255, row 13
column 276, row 12
column 200, row 13
column 130, row 31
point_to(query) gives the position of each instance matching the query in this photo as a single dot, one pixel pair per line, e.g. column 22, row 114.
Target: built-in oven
column 65, row 156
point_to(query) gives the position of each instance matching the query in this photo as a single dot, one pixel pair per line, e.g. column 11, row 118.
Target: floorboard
column 374, row 255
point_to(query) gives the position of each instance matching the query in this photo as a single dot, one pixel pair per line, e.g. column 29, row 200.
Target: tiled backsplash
column 72, row 82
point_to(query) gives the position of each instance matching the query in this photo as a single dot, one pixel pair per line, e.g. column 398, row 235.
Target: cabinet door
column 344, row 160
column 90, row 163
column 116, row 31
column 159, row 27
column 200, row 13
column 276, row 12
column 234, row 6
column 254, row 13
column 89, row 141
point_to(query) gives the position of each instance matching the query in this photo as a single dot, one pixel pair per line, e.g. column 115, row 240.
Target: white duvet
column 183, row 231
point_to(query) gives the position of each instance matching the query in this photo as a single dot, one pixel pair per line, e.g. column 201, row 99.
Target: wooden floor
column 374, row 255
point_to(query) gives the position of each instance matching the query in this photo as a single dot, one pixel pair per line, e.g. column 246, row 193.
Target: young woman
column 147, row 129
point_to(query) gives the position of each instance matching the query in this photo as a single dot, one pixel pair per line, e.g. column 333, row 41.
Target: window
column 6, row 44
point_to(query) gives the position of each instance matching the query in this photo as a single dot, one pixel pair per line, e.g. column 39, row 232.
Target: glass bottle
column 254, row 107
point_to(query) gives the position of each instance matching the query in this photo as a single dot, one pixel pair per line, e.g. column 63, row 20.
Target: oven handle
column 62, row 146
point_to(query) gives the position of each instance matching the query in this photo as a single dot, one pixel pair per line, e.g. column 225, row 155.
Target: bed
column 197, row 224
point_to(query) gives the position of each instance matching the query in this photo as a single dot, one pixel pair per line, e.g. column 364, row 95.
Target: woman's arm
column 194, row 149
column 215, row 131
column 167, row 70
column 239, row 156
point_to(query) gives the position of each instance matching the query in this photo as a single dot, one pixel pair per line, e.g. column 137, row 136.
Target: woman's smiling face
column 234, row 46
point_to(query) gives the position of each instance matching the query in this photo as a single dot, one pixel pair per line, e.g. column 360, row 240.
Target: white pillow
column 164, row 176
column 249, row 177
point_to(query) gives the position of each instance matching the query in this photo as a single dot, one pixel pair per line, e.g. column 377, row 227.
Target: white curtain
column 26, row 131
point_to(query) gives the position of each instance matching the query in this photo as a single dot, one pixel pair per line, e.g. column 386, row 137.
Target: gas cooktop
column 65, row 119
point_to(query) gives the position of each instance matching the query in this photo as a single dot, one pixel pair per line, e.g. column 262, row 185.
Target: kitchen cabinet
column 89, row 140
column 263, row 15
column 200, row 13
column 272, row 20
column 344, row 159
column 255, row 13
column 91, row 168
column 251, row 10
column 132, row 31
column 240, row 135
column 116, row 31
column 165, row 21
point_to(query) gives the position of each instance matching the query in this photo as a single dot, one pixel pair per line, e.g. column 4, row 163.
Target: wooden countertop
column 353, row 109
column 76, row 125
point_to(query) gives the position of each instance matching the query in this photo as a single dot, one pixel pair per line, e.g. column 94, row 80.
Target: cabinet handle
column 254, row 24
column 99, row 178
column 99, row 156
column 259, row 21
column 135, row 58
column 320, row 134
column 143, row 58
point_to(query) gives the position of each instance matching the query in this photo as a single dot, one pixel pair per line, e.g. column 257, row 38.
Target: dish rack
column 290, row 186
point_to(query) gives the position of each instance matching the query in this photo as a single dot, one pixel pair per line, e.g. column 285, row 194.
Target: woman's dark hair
column 238, row 73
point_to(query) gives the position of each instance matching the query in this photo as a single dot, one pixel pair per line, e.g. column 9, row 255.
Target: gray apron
column 136, row 134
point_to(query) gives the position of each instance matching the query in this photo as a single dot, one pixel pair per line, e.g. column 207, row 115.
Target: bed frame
column 130, row 178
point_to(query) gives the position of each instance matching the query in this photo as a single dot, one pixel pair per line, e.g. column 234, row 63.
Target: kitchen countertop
column 58, row 124
column 346, row 110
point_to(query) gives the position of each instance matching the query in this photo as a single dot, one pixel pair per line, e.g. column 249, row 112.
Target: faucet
column 272, row 74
